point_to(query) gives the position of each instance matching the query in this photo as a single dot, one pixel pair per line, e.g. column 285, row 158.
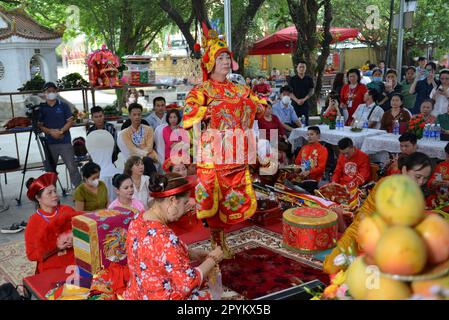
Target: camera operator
column 56, row 119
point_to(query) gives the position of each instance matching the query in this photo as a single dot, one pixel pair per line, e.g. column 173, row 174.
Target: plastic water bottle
column 365, row 125
column 340, row 123
column 337, row 123
column 426, row 132
column 432, row 132
column 437, row 132
column 303, row 121
column 396, row 127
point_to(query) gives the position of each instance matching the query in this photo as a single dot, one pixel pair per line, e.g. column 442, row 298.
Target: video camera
column 33, row 112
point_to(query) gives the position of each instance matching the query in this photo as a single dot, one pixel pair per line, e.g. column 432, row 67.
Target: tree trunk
column 240, row 30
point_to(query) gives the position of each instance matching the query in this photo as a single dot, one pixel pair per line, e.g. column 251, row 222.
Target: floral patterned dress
column 159, row 265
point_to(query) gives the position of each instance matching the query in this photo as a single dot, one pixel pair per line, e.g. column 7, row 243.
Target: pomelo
column 399, row 201
column 356, row 278
column 435, row 232
column 389, row 289
column 369, row 232
column 401, row 250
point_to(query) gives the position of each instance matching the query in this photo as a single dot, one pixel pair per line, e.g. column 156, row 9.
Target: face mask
column 377, row 79
column 93, row 183
column 286, row 100
column 52, row 96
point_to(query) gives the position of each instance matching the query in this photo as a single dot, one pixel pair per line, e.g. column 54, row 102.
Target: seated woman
column 159, row 262
column 273, row 126
column 125, row 191
column 92, row 194
column 139, row 139
column 396, row 113
column 426, row 111
column 439, row 183
column 418, row 166
column 173, row 119
column 48, row 236
column 134, row 168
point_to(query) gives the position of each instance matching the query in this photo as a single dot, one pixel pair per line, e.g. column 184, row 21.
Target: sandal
column 14, row 228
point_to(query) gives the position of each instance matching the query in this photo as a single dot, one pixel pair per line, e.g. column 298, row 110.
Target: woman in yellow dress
column 418, row 166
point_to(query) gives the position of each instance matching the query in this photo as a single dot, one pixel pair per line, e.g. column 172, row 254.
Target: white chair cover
column 160, row 143
column 100, row 145
column 122, row 146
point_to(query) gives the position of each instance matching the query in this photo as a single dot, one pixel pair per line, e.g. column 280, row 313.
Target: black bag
column 79, row 147
column 8, row 163
column 9, row 292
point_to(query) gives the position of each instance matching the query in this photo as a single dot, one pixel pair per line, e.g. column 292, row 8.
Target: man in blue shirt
column 284, row 110
column 423, row 88
column 157, row 117
column 56, row 119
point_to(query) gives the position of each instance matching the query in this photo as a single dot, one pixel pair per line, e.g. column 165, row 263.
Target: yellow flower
column 316, row 298
column 339, row 278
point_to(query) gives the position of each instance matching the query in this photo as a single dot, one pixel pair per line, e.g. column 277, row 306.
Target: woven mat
column 14, row 265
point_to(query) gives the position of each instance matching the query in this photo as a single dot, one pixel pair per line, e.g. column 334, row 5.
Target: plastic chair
column 159, row 142
column 122, row 146
column 100, row 145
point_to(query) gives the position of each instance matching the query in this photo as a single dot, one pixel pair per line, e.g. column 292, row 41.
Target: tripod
column 47, row 159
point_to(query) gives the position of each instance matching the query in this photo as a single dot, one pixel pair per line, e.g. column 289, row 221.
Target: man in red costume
column 313, row 156
column 221, row 114
column 353, row 166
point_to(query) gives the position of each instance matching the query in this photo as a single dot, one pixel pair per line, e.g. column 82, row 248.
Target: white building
column 26, row 48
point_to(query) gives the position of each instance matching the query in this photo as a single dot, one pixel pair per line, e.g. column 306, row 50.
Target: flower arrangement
column 330, row 118
column 416, row 125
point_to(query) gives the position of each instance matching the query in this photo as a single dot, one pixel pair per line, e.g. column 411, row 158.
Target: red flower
column 422, row 125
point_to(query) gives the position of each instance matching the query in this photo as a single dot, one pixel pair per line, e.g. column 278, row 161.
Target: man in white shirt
column 157, row 117
column 369, row 111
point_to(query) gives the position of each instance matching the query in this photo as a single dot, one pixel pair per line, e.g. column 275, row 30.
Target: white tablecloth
column 333, row 136
column 390, row 143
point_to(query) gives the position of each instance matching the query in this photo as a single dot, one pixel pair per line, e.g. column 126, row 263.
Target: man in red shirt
column 353, row 166
column 313, row 156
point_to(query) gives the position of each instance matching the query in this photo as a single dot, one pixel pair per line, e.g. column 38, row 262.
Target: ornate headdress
column 213, row 46
column 45, row 180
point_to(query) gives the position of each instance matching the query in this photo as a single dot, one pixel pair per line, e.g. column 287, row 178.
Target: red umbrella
column 283, row 40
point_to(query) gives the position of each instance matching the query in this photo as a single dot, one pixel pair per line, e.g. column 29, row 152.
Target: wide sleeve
column 37, row 243
column 349, row 238
column 195, row 108
column 321, row 165
column 338, row 170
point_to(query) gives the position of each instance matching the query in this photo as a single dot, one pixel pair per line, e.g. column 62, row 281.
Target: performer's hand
column 198, row 255
column 217, row 254
column 190, row 206
column 64, row 240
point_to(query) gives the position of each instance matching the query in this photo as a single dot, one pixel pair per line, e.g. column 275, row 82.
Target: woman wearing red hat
column 159, row 262
column 224, row 194
column 48, row 236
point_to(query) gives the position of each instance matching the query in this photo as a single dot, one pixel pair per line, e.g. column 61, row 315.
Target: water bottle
column 426, row 132
column 340, row 123
column 396, row 127
column 432, row 132
column 438, row 132
column 303, row 121
column 337, row 123
column 365, row 125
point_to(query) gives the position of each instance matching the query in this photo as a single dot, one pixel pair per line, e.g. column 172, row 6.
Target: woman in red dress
column 48, row 236
column 352, row 94
column 159, row 262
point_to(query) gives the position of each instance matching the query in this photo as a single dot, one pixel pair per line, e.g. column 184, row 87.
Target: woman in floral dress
column 160, row 264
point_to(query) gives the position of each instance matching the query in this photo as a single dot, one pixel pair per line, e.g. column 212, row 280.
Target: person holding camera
column 55, row 121
column 441, row 94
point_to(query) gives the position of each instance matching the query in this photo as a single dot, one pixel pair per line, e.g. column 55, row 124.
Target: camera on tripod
column 33, row 112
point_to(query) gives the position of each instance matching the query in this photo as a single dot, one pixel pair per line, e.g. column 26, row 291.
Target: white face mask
column 93, row 183
column 286, row 100
column 52, row 96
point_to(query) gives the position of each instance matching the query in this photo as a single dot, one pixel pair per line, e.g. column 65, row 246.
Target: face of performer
column 136, row 117
column 125, row 191
column 312, row 136
column 48, row 199
column 418, row 173
column 180, row 169
column 175, row 207
column 222, row 64
column 137, row 169
column 407, row 147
